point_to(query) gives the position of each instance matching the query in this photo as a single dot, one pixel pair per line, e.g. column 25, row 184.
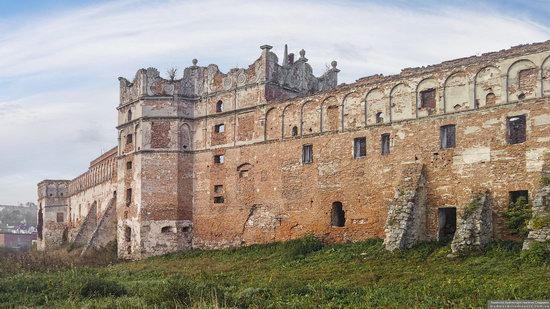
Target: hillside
column 299, row 274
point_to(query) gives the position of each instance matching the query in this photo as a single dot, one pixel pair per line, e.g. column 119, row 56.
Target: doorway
column 447, row 224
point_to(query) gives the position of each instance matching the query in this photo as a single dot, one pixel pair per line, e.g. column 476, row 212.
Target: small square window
column 219, row 128
column 447, row 136
column 129, row 139
column 218, row 200
column 219, row 159
column 427, row 98
column 218, row 188
column 359, row 147
column 129, row 165
column 243, row 173
column 385, row 143
column 516, row 129
column 307, row 154
column 60, row 217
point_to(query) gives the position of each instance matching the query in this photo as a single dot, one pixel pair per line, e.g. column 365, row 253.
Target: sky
column 60, row 59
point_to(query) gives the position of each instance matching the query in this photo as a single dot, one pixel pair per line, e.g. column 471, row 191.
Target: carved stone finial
column 334, row 64
column 195, row 61
column 268, row 47
column 302, row 53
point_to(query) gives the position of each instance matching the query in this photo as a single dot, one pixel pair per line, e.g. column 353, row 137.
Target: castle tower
column 53, row 213
column 164, row 123
column 154, row 168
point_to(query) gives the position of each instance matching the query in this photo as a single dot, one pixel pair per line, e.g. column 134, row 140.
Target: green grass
column 299, row 274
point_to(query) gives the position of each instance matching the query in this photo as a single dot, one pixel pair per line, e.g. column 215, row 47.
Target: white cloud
column 79, row 53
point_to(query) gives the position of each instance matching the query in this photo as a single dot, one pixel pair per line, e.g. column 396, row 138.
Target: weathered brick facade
column 215, row 160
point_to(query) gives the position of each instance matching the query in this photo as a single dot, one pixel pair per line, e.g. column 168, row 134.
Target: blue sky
column 60, row 59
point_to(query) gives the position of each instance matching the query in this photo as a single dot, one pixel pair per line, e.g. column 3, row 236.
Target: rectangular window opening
column 385, row 143
column 307, row 154
column 219, row 128
column 427, row 98
column 60, row 217
column 218, row 200
column 129, row 139
column 447, row 136
column 516, row 196
column 129, row 165
column 359, row 147
column 219, row 159
column 128, row 197
column 218, row 188
column 516, row 129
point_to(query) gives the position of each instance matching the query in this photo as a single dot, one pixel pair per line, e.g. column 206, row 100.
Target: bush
column 302, row 247
column 517, row 217
column 537, row 254
column 97, row 287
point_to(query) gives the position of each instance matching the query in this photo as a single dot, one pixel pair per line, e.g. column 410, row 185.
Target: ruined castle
column 271, row 152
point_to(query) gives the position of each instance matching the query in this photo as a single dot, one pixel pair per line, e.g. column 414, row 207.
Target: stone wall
column 183, row 181
column 475, row 227
column 539, row 225
column 406, row 221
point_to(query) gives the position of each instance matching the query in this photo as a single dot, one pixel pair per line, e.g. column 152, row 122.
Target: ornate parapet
column 197, row 81
column 298, row 77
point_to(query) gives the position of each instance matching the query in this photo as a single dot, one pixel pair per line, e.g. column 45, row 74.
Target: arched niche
column 428, row 97
column 457, row 92
column 272, row 124
column 545, row 71
column 376, row 104
column 401, row 102
column 185, row 139
column 137, row 137
column 311, row 117
column 291, row 119
column 332, row 114
column 353, row 111
column 488, row 87
column 522, row 80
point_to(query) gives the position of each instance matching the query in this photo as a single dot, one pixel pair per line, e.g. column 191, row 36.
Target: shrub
column 540, row 222
column 517, row 216
column 301, row 247
column 97, row 287
column 537, row 254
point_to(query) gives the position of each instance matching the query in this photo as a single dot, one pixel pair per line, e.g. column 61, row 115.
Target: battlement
column 293, row 76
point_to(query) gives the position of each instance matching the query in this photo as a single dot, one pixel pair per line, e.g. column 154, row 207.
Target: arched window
column 294, row 131
column 127, row 234
column 129, row 115
column 338, row 217
column 490, row 99
column 219, row 106
column 380, row 117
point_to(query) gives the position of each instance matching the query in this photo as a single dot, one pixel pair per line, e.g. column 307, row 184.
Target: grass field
column 304, row 273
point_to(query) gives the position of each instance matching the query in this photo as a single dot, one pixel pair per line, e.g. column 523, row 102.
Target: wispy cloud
column 58, row 72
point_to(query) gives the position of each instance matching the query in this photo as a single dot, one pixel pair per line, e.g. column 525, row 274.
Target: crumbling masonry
column 270, row 152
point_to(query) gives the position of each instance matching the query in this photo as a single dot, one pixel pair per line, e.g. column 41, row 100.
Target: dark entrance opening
column 447, row 224
column 338, row 216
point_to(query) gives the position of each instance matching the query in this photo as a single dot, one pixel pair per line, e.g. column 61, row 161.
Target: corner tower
column 52, row 213
column 164, row 123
